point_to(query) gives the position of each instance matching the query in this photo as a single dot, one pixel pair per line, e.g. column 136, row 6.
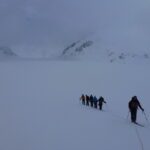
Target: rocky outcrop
column 6, row 51
column 76, row 48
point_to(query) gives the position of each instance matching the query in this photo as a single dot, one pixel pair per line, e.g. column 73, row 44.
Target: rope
column 115, row 114
column 136, row 130
column 139, row 138
column 127, row 115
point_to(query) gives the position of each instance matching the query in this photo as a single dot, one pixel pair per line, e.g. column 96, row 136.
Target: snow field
column 40, row 107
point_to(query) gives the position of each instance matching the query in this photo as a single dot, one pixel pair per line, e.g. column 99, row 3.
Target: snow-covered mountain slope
column 6, row 52
column 40, row 107
column 94, row 48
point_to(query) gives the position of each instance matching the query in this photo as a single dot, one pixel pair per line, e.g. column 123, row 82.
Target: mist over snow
column 44, row 28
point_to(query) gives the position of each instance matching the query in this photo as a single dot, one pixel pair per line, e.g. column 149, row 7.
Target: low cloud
column 57, row 23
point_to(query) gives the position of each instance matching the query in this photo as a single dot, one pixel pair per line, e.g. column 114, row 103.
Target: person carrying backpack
column 95, row 101
column 100, row 102
column 91, row 100
column 133, row 106
column 87, row 98
column 82, row 98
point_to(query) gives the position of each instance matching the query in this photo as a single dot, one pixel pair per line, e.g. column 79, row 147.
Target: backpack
column 133, row 104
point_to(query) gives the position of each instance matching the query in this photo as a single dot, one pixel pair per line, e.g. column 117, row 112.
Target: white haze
column 50, row 25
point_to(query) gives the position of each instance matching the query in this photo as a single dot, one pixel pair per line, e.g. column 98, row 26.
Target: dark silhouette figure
column 100, row 102
column 87, row 99
column 91, row 100
column 95, row 101
column 133, row 106
column 82, row 98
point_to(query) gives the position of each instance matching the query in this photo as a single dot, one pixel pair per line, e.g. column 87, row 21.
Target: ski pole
column 146, row 117
column 127, row 115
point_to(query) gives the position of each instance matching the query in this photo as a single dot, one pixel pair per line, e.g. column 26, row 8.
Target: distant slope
column 77, row 47
column 94, row 49
column 6, row 52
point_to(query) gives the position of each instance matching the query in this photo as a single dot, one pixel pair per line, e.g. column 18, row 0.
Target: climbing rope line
column 136, row 130
column 139, row 138
column 114, row 114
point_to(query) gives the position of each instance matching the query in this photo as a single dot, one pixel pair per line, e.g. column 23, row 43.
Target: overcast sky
column 59, row 22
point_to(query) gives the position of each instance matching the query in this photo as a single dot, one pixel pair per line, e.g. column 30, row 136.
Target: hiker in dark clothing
column 133, row 106
column 87, row 99
column 91, row 100
column 82, row 98
column 95, row 101
column 100, row 102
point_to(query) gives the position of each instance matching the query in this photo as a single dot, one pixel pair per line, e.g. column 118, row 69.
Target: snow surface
column 40, row 107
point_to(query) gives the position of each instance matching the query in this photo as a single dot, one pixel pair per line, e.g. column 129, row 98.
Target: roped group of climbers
column 92, row 101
